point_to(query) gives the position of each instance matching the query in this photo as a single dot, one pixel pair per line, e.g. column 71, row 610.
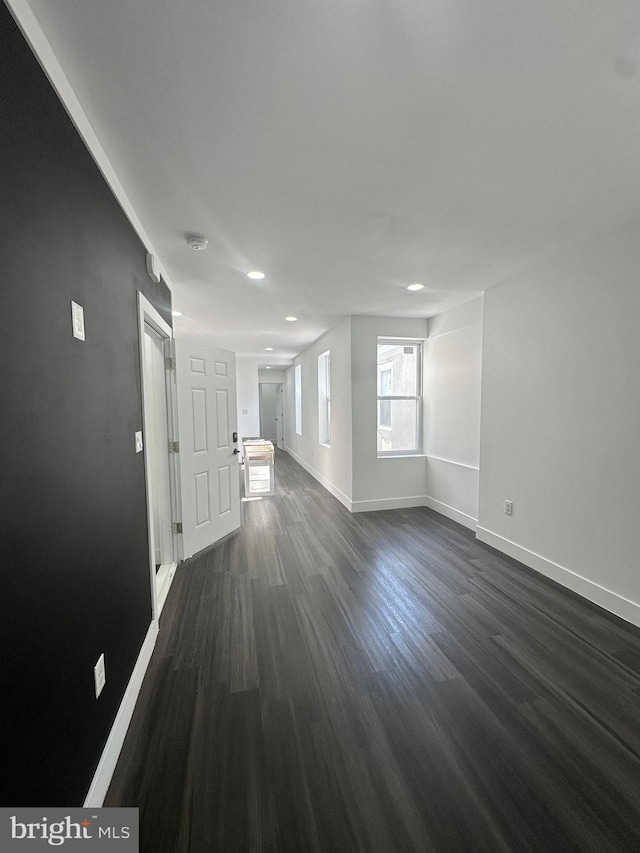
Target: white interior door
column 210, row 472
column 269, row 411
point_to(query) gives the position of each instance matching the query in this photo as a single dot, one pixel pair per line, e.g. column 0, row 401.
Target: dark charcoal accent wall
column 74, row 575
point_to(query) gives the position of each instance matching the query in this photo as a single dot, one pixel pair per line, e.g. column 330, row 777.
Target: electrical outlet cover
column 77, row 321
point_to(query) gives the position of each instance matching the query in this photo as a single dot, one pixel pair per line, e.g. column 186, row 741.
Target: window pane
column 324, row 398
column 398, row 370
column 298, row 397
column 398, row 426
column 386, row 380
column 384, row 414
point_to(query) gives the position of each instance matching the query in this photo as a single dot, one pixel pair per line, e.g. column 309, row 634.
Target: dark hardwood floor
column 379, row 682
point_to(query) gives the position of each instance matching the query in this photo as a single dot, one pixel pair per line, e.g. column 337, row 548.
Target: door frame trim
column 149, row 315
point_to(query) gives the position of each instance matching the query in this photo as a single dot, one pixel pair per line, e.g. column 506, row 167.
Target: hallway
column 379, row 682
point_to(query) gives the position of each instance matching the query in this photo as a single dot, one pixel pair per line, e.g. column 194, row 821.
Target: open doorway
column 271, row 397
column 159, row 433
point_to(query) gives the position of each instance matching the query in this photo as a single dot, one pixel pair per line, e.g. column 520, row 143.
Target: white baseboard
column 357, row 506
column 388, row 503
column 109, row 758
column 451, row 512
column 344, row 500
column 164, row 579
column 600, row 595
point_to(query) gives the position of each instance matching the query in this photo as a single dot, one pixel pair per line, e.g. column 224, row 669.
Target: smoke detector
column 197, row 242
column 153, row 267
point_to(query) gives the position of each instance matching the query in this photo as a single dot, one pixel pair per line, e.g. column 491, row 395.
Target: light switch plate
column 139, row 444
column 99, row 675
column 77, row 321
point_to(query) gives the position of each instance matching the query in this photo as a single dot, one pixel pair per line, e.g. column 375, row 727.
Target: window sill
column 325, row 444
column 402, row 455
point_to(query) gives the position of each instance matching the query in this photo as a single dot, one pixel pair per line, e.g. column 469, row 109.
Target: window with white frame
column 399, row 426
column 297, row 375
column 324, row 398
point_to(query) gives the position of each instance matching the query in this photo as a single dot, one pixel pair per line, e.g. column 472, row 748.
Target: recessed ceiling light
column 177, row 313
column 269, row 349
column 415, row 286
column 256, row 275
column 291, row 319
column 268, row 367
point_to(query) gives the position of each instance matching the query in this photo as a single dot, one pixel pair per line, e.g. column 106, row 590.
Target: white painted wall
column 560, row 432
column 276, row 374
column 392, row 481
column 453, row 360
column 332, row 466
column 248, row 400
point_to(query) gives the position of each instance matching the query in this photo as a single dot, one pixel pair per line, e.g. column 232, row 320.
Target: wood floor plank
column 381, row 683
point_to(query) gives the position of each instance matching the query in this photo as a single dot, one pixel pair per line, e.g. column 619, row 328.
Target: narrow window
column 399, row 424
column 324, row 398
column 298, row 397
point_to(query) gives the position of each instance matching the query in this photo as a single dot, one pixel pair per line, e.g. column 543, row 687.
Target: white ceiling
column 351, row 147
